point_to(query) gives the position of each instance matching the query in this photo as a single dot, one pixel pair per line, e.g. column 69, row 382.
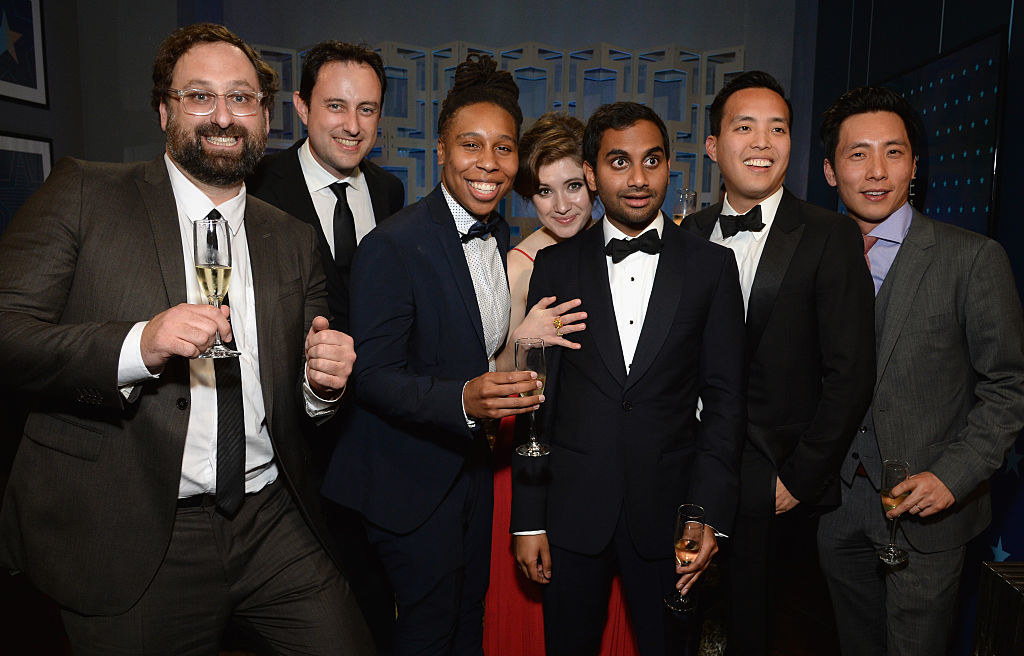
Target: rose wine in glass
column 687, row 537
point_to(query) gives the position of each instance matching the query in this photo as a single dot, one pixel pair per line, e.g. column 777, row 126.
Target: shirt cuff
column 469, row 422
column 528, row 532
column 131, row 370
column 317, row 407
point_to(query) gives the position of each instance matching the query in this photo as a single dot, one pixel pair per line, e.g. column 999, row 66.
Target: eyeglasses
column 202, row 103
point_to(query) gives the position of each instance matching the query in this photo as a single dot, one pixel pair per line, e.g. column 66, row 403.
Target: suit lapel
column 155, row 189
column 703, row 222
column 783, row 238
column 905, row 275
column 378, row 199
column 448, row 241
column 259, row 237
column 596, row 293
column 668, row 286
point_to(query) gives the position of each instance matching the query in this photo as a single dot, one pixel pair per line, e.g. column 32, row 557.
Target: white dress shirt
column 748, row 246
column 319, row 182
column 199, row 462
column 631, row 281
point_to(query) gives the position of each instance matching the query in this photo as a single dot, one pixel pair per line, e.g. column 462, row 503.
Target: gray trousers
column 264, row 568
column 880, row 611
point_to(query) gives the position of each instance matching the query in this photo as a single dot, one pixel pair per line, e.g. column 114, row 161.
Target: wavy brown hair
column 553, row 137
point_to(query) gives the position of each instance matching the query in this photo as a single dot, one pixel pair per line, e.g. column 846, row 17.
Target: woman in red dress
column 551, row 176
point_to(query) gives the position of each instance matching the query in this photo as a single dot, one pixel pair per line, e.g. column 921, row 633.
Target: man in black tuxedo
column 327, row 182
column 809, row 340
column 664, row 318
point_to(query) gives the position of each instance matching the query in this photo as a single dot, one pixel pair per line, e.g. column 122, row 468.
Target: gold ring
column 558, row 332
column 558, row 324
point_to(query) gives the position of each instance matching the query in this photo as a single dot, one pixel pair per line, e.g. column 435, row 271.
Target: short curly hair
column 183, row 39
column 478, row 80
column 553, row 137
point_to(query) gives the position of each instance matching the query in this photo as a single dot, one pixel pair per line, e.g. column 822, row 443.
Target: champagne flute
column 894, row 472
column 688, row 536
column 686, row 204
column 530, row 357
column 212, row 239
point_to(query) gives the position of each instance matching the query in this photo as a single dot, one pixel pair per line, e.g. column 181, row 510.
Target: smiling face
column 562, row 200
column 342, row 116
column 752, row 147
column 631, row 175
column 478, row 157
column 873, row 168
column 216, row 151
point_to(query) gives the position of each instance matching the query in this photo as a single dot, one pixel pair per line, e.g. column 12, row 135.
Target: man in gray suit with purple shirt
column 949, row 390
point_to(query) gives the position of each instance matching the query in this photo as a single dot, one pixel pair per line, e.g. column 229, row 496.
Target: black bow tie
column 749, row 222
column 481, row 230
column 619, row 249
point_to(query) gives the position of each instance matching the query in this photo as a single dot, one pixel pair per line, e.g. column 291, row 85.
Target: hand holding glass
column 530, row 357
column 688, row 537
column 212, row 239
column 894, row 472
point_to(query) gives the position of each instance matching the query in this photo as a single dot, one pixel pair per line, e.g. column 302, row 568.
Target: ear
column 914, row 174
column 588, row 173
column 301, row 108
column 440, row 151
column 830, row 174
column 711, row 146
column 163, row 115
column 266, row 121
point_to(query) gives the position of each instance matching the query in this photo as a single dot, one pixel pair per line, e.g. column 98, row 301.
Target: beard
column 631, row 217
column 185, row 146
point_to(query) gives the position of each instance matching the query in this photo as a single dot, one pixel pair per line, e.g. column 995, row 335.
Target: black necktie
column 230, row 434
column 619, row 249
column 734, row 223
column 481, row 230
column 344, row 227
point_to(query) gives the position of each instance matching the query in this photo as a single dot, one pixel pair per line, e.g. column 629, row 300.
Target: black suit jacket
column 810, row 344
column 279, row 181
column 634, row 441
column 419, row 339
column 91, row 501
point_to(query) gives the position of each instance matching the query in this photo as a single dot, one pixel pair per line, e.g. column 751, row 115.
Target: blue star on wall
column 1013, row 461
column 998, row 552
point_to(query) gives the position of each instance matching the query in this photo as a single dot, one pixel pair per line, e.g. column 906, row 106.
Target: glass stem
column 892, row 532
column 216, row 336
column 533, row 428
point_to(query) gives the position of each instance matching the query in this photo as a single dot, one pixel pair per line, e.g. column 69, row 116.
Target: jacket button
column 863, row 429
column 855, row 455
column 182, row 403
column 627, row 405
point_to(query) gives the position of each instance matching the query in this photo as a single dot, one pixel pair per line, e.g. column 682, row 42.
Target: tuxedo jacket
column 632, row 443
column 419, row 339
column 279, row 181
column 949, row 389
column 809, row 343
column 91, row 499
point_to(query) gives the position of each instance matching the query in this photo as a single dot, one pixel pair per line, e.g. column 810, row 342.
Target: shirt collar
column 769, row 207
column 195, row 205
column 463, row 219
column 611, row 232
column 318, row 178
column 896, row 226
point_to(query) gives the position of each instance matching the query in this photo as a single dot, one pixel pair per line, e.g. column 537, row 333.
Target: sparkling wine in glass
column 688, row 535
column 212, row 239
column 686, row 204
column 894, row 472
column 530, row 357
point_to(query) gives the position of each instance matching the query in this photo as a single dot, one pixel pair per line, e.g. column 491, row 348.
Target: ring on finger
column 557, row 321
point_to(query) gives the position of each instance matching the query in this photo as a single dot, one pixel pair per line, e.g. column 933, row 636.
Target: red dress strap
column 523, row 252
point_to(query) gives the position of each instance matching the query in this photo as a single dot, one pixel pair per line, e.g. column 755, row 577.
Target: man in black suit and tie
column 949, row 390
column 328, row 182
column 665, row 317
column 809, row 342
column 155, row 495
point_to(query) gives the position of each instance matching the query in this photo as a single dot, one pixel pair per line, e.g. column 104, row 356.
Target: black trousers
column 264, row 568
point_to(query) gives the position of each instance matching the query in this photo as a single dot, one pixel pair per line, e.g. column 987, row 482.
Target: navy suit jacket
column 633, row 440
column 419, row 339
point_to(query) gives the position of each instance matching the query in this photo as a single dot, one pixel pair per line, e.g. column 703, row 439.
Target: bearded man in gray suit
column 154, row 495
column 949, row 390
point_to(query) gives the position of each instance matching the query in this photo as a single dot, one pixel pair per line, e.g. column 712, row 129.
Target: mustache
column 212, row 130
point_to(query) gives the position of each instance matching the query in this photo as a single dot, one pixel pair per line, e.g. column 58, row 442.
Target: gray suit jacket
column 949, row 390
column 91, row 500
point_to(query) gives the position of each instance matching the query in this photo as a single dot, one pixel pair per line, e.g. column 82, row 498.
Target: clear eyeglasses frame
column 200, row 102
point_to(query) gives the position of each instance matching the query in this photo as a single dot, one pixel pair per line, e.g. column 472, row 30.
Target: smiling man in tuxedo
column 809, row 341
column 664, row 313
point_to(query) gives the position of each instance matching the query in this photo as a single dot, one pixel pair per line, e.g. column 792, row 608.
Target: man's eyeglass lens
column 199, row 102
